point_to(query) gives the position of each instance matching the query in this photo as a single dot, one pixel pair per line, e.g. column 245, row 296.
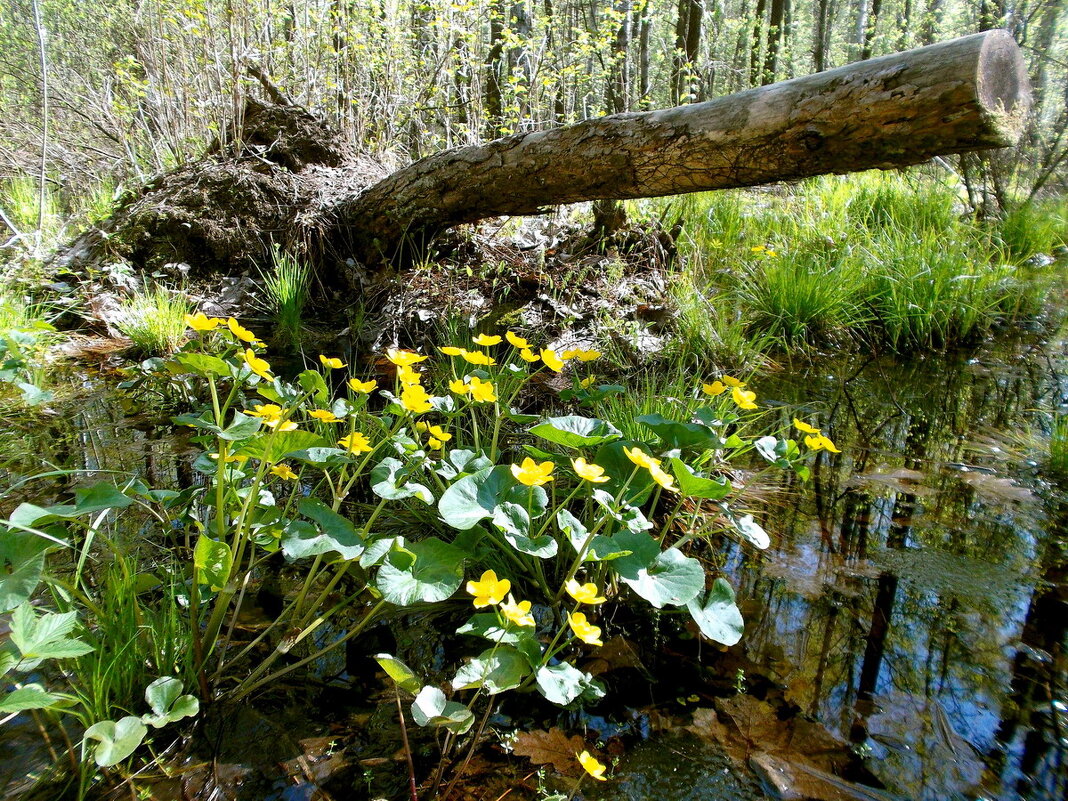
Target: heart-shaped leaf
column 696, row 486
column 212, row 560
column 561, row 683
column 431, row 708
column 168, row 705
column 117, row 740
column 496, row 669
column 576, row 431
column 718, row 615
column 402, row 675
column 429, row 571
column 685, row 436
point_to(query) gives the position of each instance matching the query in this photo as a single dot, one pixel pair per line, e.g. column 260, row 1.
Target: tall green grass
column 154, row 320
column 287, row 285
column 19, row 197
column 1058, row 446
column 889, row 259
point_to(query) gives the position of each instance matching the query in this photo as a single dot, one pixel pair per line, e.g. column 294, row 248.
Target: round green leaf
column 576, row 431
column 116, row 740
column 718, row 616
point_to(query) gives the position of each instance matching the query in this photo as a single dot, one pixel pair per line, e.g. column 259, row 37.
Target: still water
column 910, row 617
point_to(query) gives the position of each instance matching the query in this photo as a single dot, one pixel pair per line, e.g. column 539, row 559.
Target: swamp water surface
column 909, row 618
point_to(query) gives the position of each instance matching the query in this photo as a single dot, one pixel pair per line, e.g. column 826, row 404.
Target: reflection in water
column 916, row 603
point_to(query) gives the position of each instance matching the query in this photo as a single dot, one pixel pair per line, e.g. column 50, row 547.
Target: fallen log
column 966, row 94
column 295, row 184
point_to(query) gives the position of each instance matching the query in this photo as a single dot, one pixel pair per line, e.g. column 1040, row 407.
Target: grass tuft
column 287, row 285
column 155, row 321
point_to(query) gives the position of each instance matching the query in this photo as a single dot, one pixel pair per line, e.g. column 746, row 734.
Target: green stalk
column 245, row 688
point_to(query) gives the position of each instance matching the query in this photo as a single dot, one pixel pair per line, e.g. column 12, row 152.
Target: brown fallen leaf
column 552, row 747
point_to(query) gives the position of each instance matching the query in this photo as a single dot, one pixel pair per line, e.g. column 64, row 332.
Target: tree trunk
column 299, row 185
column 966, row 94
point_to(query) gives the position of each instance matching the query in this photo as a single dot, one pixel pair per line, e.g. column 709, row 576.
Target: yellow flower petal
column 483, row 391
column 404, row 358
column 732, row 382
column 592, row 766
column 589, row 634
column 257, row 365
column 552, row 360
column 283, row 471
column 324, row 415
column 488, row 590
column 479, row 358
column 356, row 443
column 532, row 474
column 452, row 350
column 362, row 387
column 459, row 387
column 528, row 355
column 241, row 332
column 199, row 322
column 744, row 398
column 715, row 388
column 805, row 428
column 593, row 473
column 331, row 362
column 517, row 612
column 516, row 341
column 584, row 593
column 485, row 340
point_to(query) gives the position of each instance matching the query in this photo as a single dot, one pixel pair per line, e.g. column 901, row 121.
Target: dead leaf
column 552, row 747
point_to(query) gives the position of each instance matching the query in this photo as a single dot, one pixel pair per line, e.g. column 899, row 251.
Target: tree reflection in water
column 917, row 602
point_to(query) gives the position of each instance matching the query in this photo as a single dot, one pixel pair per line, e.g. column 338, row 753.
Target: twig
column 41, row 35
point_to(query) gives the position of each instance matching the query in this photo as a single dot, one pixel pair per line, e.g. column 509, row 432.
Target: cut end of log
column 1002, row 86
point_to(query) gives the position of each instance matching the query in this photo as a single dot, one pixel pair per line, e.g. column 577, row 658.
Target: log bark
column 962, row 95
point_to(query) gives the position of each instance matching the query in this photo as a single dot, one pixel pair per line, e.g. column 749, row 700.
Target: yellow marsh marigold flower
column 532, row 474
column 516, row 341
column 404, row 358
column 588, row 633
column 744, row 398
column 593, row 473
column 482, row 391
column 552, row 360
column 437, row 432
column 478, row 357
column 241, row 332
column 485, row 340
column 408, row 376
column 592, row 766
column 584, row 593
column 257, row 365
column 588, row 355
column 283, row 471
column 805, row 428
column 488, row 590
column 570, row 354
column 528, row 355
column 732, row 382
column 586, row 382
column 415, row 399
column 362, row 387
column 332, row 362
column 640, row 457
column 661, row 477
column 325, row 416
column 266, row 410
column 355, row 443
column 199, row 322
column 459, row 387
column 714, row 389
column 819, row 442
column 451, row 350
column 434, row 444
column 518, row 613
